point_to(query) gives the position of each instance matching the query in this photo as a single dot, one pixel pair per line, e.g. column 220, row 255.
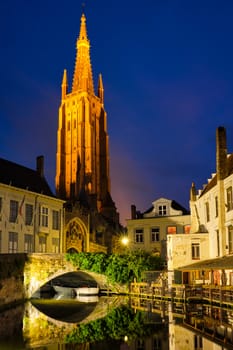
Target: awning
column 223, row 263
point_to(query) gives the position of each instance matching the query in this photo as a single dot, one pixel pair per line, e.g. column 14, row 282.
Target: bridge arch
column 41, row 268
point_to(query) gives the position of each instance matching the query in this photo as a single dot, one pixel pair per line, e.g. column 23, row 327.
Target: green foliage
column 115, row 325
column 120, row 268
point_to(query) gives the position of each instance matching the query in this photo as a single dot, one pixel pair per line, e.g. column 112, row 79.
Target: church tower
column 82, row 159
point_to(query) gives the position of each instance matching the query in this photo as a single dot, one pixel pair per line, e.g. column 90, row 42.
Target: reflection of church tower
column 82, row 170
column 82, row 139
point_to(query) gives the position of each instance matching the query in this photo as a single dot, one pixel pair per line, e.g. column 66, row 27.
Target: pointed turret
column 82, row 79
column 193, row 192
column 101, row 89
column 64, row 85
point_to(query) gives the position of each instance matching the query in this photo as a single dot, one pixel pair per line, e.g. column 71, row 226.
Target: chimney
column 193, row 192
column 40, row 165
column 221, row 153
column 133, row 212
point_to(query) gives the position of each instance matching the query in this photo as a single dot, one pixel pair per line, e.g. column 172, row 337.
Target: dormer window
column 162, row 210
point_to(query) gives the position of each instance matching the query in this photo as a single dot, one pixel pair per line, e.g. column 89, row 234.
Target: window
column 171, row 230
column 187, row 228
column 230, row 239
column 68, row 126
column 218, row 243
column 216, row 206
column 157, row 344
column 195, row 251
column 229, row 199
column 44, row 217
column 42, row 244
column 0, row 241
column 207, row 211
column 28, row 243
column 55, row 244
column 155, row 234
column 28, row 214
column 56, row 223
column 0, row 208
column 198, row 342
column 13, row 242
column 139, row 237
column 14, row 207
column 162, row 210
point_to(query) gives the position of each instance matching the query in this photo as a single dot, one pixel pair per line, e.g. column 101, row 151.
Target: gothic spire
column 82, row 79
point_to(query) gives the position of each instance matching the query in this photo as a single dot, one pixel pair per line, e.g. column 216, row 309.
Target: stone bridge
column 41, row 268
column 21, row 275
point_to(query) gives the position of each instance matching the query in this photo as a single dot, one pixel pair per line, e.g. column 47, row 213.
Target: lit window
column 13, row 242
column 162, row 210
column 55, row 245
column 44, row 217
column 14, row 207
column 187, row 228
column 42, row 244
column 195, row 251
column 139, row 237
column 55, row 223
column 229, row 198
column 28, row 214
column 171, row 230
column 155, row 234
column 28, row 243
column 207, row 210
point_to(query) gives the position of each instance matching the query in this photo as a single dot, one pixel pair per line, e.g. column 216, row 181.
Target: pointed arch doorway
column 76, row 236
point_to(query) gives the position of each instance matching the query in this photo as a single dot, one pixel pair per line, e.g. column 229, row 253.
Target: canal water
column 115, row 323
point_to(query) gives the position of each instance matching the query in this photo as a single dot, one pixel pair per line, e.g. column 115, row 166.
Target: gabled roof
column 24, row 178
column 174, row 205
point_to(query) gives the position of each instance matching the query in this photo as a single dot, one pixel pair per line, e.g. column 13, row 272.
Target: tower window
column 207, row 209
column 68, row 126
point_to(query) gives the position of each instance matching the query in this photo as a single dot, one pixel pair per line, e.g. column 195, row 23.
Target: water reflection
column 115, row 323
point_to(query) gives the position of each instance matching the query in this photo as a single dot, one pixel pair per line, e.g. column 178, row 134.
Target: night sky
column 167, row 69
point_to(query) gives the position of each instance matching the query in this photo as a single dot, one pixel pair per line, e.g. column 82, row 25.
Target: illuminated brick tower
column 82, row 170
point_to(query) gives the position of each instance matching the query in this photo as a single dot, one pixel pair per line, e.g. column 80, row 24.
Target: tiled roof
column 177, row 206
column 24, row 178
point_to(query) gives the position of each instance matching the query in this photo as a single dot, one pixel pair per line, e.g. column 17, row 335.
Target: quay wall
column 12, row 279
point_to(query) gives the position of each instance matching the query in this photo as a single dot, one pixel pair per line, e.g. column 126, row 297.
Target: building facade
column 31, row 217
column 149, row 230
column 211, row 234
column 82, row 159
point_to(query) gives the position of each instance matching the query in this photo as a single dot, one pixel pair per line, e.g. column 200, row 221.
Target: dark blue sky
column 167, row 68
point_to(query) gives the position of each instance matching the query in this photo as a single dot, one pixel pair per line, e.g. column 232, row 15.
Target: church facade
column 82, row 159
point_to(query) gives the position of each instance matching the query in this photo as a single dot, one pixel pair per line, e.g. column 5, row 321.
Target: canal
column 115, row 323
